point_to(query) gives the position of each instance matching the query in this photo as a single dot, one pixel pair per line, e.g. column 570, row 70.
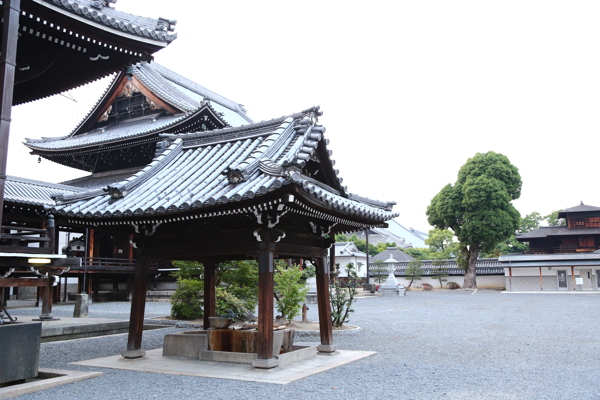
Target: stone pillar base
column 81, row 306
column 326, row 348
column 133, row 353
column 265, row 363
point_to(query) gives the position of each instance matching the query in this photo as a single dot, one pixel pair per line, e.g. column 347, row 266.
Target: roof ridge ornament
column 99, row 4
column 235, row 176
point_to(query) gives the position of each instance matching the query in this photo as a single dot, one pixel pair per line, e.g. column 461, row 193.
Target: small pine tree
column 414, row 272
column 342, row 298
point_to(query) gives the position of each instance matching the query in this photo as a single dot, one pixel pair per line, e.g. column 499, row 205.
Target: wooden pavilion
column 259, row 191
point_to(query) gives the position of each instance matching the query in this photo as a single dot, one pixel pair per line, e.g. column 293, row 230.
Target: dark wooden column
column 325, row 324
column 210, row 293
column 265, row 304
column 138, row 306
column 8, row 62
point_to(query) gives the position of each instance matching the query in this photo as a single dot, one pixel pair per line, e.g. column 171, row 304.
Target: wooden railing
column 124, row 265
column 15, row 239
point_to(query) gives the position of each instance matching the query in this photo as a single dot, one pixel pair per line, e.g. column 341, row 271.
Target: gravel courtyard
column 431, row 345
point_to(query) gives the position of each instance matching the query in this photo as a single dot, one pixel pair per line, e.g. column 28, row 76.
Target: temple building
column 565, row 257
column 178, row 172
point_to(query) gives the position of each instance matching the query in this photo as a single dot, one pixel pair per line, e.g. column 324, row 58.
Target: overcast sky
column 409, row 89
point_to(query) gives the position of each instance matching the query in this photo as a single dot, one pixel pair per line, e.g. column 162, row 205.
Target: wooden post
column 573, row 277
column 510, row 278
column 265, row 307
column 210, row 293
column 541, row 279
column 138, row 306
column 324, row 304
column 47, row 292
column 8, row 62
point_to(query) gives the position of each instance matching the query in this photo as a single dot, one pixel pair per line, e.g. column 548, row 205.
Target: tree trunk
column 470, row 281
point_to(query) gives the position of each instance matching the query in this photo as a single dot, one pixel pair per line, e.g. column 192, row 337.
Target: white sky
column 409, row 89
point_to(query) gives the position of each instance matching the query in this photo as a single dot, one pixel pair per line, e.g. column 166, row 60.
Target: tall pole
column 368, row 270
column 8, row 62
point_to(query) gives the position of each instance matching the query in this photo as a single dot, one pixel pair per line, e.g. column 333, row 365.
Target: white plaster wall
column 483, row 281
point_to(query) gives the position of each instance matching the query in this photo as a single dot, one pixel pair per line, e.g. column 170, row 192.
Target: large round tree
column 478, row 208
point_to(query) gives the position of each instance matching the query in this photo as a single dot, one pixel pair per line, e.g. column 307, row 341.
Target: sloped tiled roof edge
column 152, row 79
column 193, row 86
column 34, row 192
column 147, row 28
column 134, row 181
column 580, row 208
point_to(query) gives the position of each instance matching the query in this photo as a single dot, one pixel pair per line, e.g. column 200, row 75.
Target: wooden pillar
column 265, row 307
column 138, row 306
column 8, row 62
column 47, row 294
column 324, row 304
column 573, row 277
column 541, row 279
column 510, row 278
column 210, row 292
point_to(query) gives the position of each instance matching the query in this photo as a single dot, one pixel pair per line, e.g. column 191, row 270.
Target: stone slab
column 20, row 355
column 47, row 378
column 155, row 362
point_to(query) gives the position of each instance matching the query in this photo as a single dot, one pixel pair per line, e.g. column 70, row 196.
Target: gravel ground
column 431, row 345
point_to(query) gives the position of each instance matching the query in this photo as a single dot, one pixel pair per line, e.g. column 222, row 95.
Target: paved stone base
column 133, row 353
column 46, row 379
column 155, row 362
column 265, row 364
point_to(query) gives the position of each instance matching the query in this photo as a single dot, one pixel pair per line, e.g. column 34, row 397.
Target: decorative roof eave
column 108, row 19
column 180, row 124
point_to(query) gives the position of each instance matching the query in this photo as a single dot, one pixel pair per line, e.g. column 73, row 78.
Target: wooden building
column 49, row 47
column 560, row 257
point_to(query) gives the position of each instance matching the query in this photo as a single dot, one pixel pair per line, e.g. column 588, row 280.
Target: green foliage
column 379, row 271
column 187, row 301
column 228, row 305
column 478, row 208
column 360, row 244
column 441, row 244
column 240, row 278
column 414, row 271
column 420, row 253
column 188, row 270
column 290, row 291
column 553, row 219
column 440, row 272
column 382, row 246
column 342, row 297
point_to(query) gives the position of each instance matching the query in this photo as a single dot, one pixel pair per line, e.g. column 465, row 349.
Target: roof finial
column 581, row 203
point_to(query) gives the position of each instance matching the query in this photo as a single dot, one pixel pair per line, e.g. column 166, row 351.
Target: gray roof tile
column 189, row 174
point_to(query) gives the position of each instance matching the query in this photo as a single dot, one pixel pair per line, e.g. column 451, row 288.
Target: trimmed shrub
column 427, row 286
column 187, row 301
column 453, row 285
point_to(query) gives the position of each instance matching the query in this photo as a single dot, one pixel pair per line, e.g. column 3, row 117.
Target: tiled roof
column 28, row 191
column 577, row 209
column 190, row 174
column 545, row 231
column 485, row 266
column 98, row 11
column 347, row 249
column 394, row 252
column 166, row 85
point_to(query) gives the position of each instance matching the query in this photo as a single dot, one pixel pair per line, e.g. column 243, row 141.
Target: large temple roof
column 64, row 44
column 223, row 170
column 171, row 104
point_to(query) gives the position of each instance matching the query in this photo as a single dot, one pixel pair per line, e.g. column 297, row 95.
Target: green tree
column 379, row 272
column 413, row 272
column 290, row 290
column 341, row 298
column 553, row 219
column 240, row 278
column 439, row 271
column 478, row 208
column 441, row 244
